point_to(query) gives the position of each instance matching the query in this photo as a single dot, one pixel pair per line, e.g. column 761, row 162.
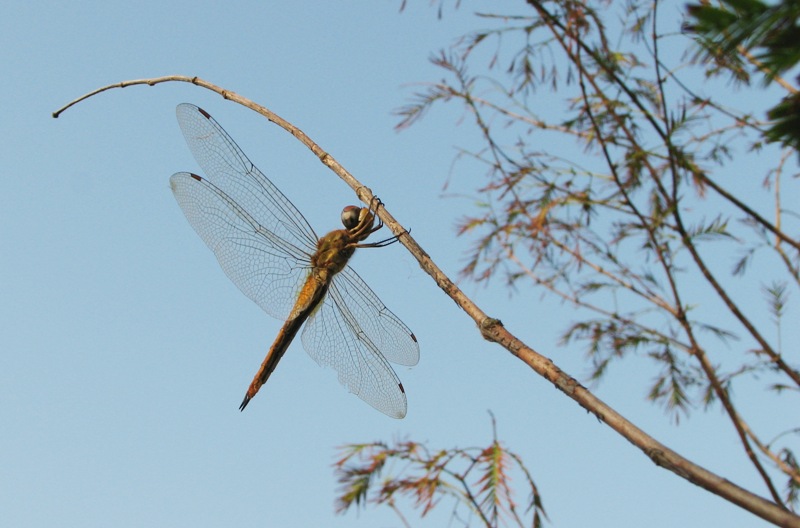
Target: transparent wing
column 334, row 337
column 261, row 240
column 388, row 333
column 267, row 269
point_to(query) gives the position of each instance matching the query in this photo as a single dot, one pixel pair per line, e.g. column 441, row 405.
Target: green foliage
column 771, row 30
column 771, row 33
column 786, row 121
column 477, row 479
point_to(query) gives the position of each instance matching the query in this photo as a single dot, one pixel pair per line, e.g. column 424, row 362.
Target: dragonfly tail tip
column 244, row 402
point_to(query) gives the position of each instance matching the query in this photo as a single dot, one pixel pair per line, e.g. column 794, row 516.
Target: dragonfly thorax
column 333, row 251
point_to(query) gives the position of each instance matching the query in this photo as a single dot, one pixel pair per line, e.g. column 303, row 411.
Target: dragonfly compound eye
column 351, row 216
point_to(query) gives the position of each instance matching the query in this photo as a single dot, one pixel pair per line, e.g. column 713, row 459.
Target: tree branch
column 493, row 330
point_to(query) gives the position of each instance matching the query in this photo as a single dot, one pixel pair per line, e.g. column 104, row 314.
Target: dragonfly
column 271, row 253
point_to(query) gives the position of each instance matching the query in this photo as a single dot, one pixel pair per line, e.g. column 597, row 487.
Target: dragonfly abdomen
column 311, row 295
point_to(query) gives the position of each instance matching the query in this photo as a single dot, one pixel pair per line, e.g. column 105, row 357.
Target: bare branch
column 493, row 330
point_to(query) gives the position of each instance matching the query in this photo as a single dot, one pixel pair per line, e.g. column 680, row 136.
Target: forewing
column 333, row 338
column 229, row 169
column 260, row 239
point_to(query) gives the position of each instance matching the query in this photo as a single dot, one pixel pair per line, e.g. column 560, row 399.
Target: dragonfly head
column 354, row 217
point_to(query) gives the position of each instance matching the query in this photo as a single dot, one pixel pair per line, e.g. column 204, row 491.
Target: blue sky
column 125, row 351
